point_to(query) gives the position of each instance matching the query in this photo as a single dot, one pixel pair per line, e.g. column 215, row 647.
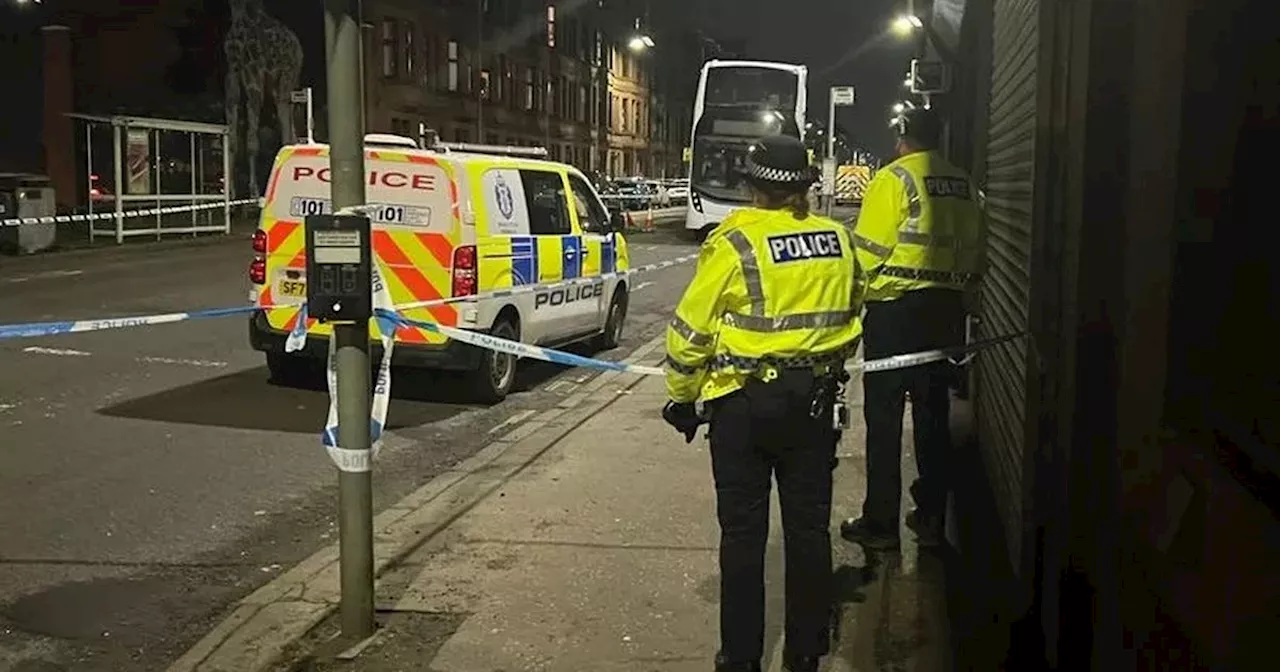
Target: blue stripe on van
column 609, row 263
column 524, row 262
column 571, row 247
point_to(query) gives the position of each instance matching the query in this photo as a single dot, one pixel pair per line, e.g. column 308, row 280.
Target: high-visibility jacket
column 770, row 292
column 920, row 227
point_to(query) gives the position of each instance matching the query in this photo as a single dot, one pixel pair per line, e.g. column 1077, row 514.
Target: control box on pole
column 339, row 268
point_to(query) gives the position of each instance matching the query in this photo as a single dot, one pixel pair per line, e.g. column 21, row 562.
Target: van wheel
column 289, row 370
column 612, row 334
column 497, row 373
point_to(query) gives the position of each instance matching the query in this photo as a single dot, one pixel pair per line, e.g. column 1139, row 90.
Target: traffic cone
column 631, row 223
column 648, row 220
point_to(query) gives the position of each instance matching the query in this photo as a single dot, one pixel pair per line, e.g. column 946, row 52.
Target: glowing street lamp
column 640, row 43
column 906, row 24
column 899, row 108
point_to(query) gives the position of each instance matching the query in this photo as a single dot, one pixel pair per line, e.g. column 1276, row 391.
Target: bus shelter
column 155, row 177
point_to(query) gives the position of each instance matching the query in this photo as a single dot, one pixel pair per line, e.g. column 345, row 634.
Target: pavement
column 584, row 539
column 152, row 478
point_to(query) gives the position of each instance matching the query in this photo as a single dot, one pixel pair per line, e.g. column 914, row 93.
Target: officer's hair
column 795, row 199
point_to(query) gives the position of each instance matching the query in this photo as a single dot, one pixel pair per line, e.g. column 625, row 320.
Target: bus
column 737, row 103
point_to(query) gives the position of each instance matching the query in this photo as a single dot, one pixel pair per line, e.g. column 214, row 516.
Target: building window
column 453, row 65
column 389, row 56
column 410, row 44
column 528, row 89
column 504, row 79
column 484, row 84
column 402, row 127
column 551, row 26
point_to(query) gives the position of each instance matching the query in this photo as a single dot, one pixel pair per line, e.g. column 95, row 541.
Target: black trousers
column 759, row 433
column 921, row 320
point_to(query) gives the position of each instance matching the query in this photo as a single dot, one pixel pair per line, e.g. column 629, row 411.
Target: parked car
column 678, row 192
column 635, row 194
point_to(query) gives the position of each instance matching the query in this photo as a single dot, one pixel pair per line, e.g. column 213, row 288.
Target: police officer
column 761, row 336
column 918, row 238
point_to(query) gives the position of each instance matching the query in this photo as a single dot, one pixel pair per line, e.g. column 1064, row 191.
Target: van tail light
column 464, row 271
column 257, row 270
column 258, row 267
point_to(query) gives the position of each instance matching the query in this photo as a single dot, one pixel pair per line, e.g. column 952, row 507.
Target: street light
column 899, row 108
column 906, row 24
column 640, row 43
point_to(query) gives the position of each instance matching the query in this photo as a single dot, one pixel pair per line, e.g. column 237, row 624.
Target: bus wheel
column 496, row 375
column 612, row 334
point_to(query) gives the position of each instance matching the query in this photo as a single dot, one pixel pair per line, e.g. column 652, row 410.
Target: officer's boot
column 724, row 665
column 801, row 664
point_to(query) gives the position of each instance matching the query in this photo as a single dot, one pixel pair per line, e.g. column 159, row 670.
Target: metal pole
column 88, row 158
column 158, row 134
column 831, row 126
column 226, row 181
column 311, row 116
column 346, row 160
column 118, row 174
column 195, row 186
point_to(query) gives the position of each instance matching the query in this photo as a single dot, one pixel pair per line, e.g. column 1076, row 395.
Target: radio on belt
column 339, row 268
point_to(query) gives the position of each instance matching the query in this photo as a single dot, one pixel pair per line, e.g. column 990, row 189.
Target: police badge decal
column 506, row 200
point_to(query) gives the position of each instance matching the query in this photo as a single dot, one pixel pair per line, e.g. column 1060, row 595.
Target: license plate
column 291, row 289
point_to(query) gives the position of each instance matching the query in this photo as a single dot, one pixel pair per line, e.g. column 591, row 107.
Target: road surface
column 150, row 477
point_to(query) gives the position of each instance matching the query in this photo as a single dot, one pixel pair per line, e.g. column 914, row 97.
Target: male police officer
column 919, row 241
column 761, row 336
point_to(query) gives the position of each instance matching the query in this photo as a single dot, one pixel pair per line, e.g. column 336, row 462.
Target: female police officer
column 761, row 336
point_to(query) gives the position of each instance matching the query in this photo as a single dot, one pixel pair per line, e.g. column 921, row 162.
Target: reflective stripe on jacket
column 919, row 227
column 770, row 291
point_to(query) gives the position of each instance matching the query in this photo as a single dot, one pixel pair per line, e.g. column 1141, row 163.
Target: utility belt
column 794, row 389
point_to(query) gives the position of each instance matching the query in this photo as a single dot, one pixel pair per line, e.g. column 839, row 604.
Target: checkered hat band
column 768, row 174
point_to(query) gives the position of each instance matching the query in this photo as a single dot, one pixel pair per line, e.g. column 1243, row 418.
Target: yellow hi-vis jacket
column 920, row 227
column 770, row 291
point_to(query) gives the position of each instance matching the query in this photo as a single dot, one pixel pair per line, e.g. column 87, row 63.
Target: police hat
column 779, row 160
column 921, row 126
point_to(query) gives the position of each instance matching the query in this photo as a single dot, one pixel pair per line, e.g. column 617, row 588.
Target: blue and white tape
column 141, row 212
column 958, row 355
column 37, row 329
column 519, row 349
column 346, row 459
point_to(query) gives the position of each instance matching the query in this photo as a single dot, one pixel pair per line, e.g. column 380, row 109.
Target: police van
column 450, row 221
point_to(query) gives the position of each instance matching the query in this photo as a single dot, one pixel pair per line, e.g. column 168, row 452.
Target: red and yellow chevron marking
column 415, row 264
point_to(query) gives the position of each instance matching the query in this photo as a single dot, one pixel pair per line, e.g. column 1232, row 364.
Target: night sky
column 844, row 42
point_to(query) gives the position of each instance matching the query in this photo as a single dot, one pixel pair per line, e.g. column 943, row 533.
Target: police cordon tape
column 388, row 318
column 126, row 214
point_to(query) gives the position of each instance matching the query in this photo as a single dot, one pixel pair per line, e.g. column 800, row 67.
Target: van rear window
column 413, row 195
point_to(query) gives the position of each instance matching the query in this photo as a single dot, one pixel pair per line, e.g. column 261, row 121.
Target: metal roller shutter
column 1001, row 374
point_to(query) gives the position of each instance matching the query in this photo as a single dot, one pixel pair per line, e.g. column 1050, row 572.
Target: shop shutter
column 1001, row 374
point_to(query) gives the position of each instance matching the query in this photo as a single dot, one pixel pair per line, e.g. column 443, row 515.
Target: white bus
column 738, row 102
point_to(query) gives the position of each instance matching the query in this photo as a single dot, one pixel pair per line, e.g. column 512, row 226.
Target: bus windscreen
column 762, row 87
